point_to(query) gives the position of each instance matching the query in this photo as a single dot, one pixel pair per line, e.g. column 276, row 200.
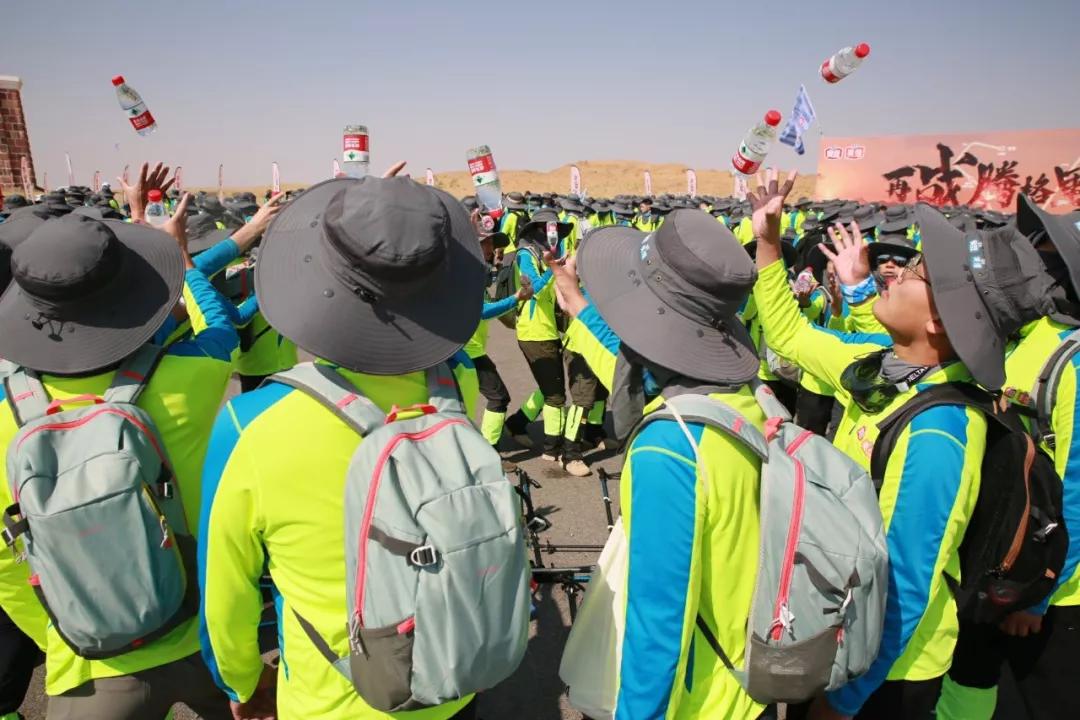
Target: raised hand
column 176, row 226
column 767, row 204
column 851, row 259
column 567, row 285
column 148, row 180
column 253, row 229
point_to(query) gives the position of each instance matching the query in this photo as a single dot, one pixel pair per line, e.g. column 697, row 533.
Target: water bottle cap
column 154, row 196
column 118, row 80
column 772, row 118
column 862, row 50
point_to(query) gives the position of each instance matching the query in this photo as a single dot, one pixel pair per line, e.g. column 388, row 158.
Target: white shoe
column 577, row 468
column 550, row 458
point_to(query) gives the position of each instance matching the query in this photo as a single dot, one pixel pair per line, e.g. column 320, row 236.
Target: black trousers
column 19, row 655
column 784, row 393
column 492, row 386
column 546, row 364
column 1044, row 665
column 893, row 700
column 813, row 411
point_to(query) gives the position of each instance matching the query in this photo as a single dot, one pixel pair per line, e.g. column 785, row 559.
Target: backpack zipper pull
column 166, row 541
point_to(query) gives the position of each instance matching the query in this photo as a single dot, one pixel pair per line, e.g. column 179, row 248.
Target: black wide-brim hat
column 621, row 266
column 380, row 276
column 534, row 231
column 87, row 293
column 1062, row 230
column 788, row 251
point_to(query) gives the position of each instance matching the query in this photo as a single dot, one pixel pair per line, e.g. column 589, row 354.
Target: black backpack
column 505, row 286
column 1014, row 547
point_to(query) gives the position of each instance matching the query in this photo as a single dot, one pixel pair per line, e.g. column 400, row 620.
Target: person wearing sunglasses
column 947, row 314
column 1039, row 644
column 889, row 255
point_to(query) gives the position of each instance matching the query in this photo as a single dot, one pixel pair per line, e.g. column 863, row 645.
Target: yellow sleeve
column 589, row 336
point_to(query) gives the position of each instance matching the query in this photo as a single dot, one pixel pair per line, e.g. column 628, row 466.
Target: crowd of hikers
column 847, row 489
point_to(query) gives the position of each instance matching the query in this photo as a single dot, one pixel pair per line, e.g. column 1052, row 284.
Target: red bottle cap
column 118, row 80
column 772, row 118
column 154, row 196
column 862, row 50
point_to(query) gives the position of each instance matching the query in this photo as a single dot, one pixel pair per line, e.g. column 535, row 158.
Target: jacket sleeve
column 820, row 352
column 497, row 308
column 529, row 267
column 1067, row 462
column 930, row 478
column 211, row 317
column 861, row 318
column 217, row 258
column 16, row 595
column 468, row 382
column 663, row 582
column 594, row 340
column 231, row 561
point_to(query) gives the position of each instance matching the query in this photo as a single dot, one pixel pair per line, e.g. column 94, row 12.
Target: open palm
column 767, row 204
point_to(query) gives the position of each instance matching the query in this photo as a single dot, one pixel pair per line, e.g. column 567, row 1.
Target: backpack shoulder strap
column 708, row 411
column 133, row 374
column 443, row 390
column 1046, row 385
column 950, row 393
column 27, row 397
column 336, row 393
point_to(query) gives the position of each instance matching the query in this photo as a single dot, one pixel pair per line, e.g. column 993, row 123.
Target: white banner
column 575, row 181
column 28, row 187
column 648, row 183
column 335, row 169
column 691, row 183
column 179, row 184
column 430, row 178
column 275, row 187
column 96, row 184
column 740, row 187
column 71, row 173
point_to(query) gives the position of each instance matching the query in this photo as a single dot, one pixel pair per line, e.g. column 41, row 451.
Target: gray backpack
column 437, row 576
column 819, row 599
column 98, row 511
column 1044, row 392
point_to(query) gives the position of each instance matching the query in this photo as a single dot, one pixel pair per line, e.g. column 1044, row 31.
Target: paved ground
column 575, row 510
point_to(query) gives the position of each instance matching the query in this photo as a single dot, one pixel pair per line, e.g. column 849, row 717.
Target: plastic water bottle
column 355, row 155
column 756, row 145
column 843, row 63
column 485, row 179
column 156, row 214
column 134, row 107
column 804, row 282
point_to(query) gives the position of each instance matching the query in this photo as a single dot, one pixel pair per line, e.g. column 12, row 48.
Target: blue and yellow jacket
column 182, row 398
column 273, row 484
column 1038, row 340
column 536, row 318
column 928, row 493
column 477, row 344
column 692, row 550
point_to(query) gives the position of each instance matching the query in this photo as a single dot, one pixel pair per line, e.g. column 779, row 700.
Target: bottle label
column 482, row 170
column 829, row 73
column 142, row 121
column 744, row 164
column 355, row 148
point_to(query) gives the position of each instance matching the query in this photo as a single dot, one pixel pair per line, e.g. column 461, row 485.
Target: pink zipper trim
column 794, row 527
column 71, row 424
column 369, row 509
column 406, row 627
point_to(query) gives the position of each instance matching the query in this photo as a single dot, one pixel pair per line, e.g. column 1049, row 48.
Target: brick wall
column 14, row 138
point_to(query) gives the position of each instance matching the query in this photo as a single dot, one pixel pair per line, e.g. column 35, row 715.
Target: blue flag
column 801, row 118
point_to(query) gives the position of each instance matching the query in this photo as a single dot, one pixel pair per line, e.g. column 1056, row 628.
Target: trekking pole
column 606, row 495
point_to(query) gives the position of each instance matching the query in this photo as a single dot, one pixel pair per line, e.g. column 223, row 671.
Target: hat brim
column 118, row 321
column 966, row 321
column 608, row 265
column 788, row 250
column 208, row 240
column 1031, row 218
column 306, row 303
column 887, row 247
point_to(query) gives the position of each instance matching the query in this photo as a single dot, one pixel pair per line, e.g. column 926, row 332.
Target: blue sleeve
column 599, row 329
column 930, row 479
column 881, row 339
column 161, row 337
column 219, row 338
column 246, row 311
column 529, row 267
column 497, row 308
column 661, row 542
column 217, row 258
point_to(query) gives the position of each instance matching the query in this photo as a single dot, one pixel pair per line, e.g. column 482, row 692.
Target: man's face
column 889, row 267
column 488, row 250
column 645, row 208
column 906, row 307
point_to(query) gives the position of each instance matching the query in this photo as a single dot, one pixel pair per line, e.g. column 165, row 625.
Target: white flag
column 575, row 181
column 179, row 179
column 691, row 183
column 275, row 187
column 430, row 178
column 71, row 173
column 97, row 181
column 335, row 169
column 648, row 183
column 740, row 187
column 28, row 188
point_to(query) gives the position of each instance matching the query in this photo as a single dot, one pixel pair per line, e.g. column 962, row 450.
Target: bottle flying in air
column 845, row 62
column 756, row 145
column 355, row 155
column 134, row 107
column 485, row 179
column 156, row 214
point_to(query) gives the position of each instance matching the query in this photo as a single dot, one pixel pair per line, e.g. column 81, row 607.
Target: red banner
column 978, row 169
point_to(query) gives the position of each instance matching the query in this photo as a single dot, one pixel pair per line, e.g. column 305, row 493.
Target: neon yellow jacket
column 182, row 398
column 536, row 317
column 929, row 490
column 1038, row 340
column 649, row 225
column 692, row 550
column 273, row 485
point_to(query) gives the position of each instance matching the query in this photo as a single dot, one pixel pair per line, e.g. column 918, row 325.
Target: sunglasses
column 900, row 260
column 912, row 269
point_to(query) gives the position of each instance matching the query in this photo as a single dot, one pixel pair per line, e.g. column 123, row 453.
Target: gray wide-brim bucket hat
column 986, row 285
column 672, row 295
column 381, row 276
column 86, row 293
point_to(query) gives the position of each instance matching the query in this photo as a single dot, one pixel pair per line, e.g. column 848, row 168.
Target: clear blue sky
column 246, row 83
